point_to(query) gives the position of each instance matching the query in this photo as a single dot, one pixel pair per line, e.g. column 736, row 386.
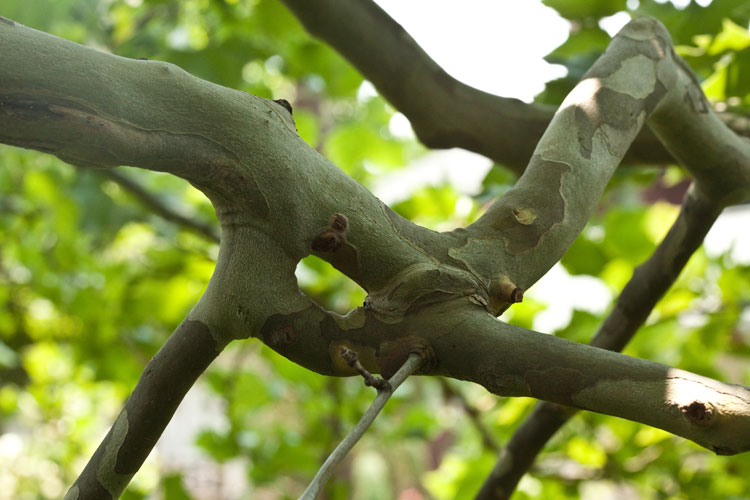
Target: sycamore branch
column 529, row 228
column 278, row 201
column 649, row 283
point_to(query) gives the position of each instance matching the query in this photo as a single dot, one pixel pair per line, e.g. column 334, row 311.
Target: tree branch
column 278, row 201
column 67, row 100
column 531, row 226
column 512, row 361
column 649, row 283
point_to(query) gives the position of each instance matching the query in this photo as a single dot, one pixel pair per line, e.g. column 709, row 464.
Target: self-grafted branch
column 649, row 283
column 278, row 201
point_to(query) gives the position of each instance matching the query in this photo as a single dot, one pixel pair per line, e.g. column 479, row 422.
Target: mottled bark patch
column 504, row 384
column 520, row 226
column 654, row 98
column 606, row 106
column 654, row 49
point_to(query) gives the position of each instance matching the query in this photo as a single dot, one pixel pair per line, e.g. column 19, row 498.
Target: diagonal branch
column 412, row 364
column 638, row 78
column 444, row 112
column 165, row 381
column 649, row 283
column 158, row 206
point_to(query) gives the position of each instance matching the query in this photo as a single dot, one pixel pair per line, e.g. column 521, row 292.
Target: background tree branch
column 158, row 206
column 444, row 112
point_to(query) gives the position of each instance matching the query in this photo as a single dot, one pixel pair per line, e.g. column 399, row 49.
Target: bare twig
column 649, row 283
column 352, row 359
column 412, row 363
column 158, row 206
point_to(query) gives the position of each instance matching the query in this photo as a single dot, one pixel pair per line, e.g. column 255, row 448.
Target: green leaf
column 731, row 38
column 626, row 235
column 586, row 452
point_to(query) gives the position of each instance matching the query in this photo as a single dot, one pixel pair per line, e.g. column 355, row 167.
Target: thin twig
column 352, row 359
column 158, row 206
column 488, row 439
column 412, row 363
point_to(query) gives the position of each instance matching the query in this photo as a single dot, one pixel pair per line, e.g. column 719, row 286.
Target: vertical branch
column 649, row 283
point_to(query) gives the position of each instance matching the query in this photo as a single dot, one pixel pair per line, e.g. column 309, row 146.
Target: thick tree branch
column 444, row 112
column 511, row 361
column 94, row 109
column 529, row 228
column 165, row 381
column 278, row 201
column 649, row 283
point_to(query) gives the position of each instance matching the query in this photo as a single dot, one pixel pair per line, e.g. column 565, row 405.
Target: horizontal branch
column 94, row 109
column 467, row 343
column 512, row 361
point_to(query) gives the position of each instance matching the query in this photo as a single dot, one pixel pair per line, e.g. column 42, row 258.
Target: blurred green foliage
column 91, row 283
